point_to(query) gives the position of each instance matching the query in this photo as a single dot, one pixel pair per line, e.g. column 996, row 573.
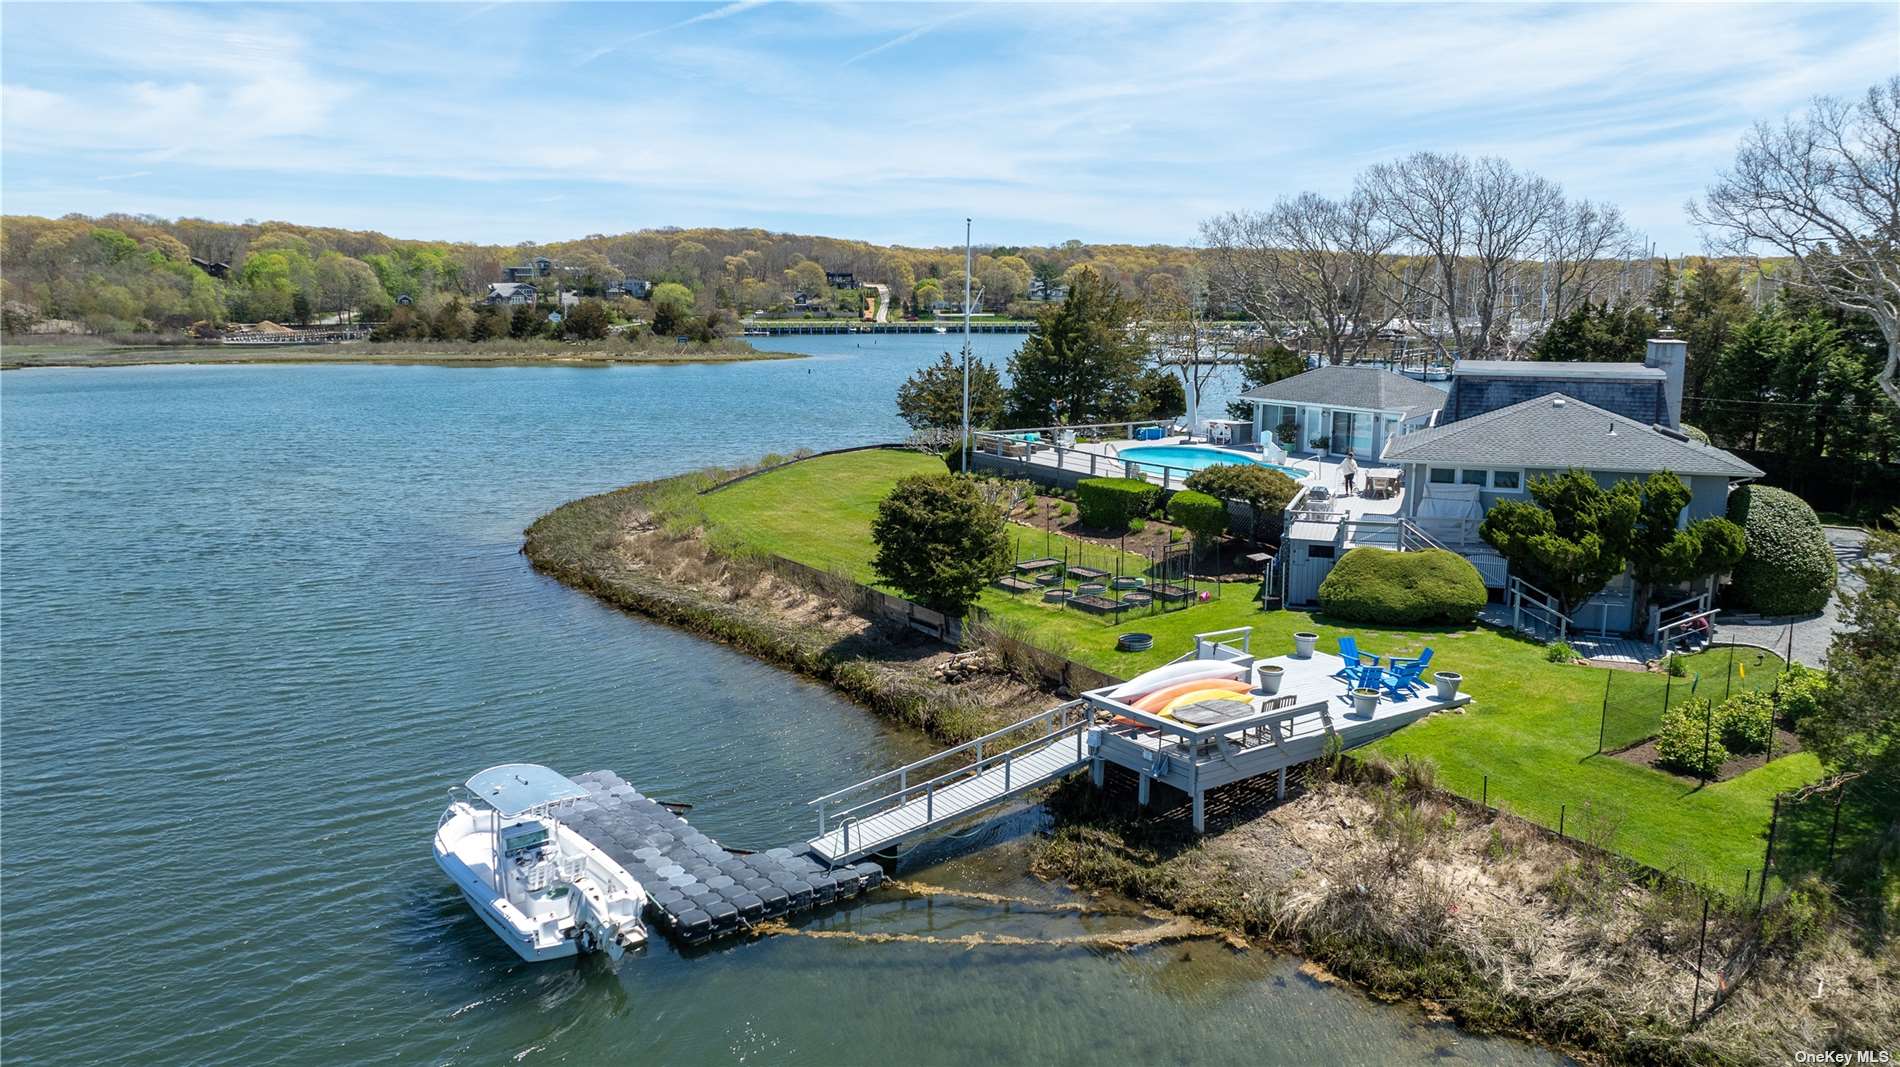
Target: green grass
column 1532, row 729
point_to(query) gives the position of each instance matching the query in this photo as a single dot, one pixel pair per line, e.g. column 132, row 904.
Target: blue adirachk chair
column 1423, row 659
column 1404, row 681
column 1355, row 659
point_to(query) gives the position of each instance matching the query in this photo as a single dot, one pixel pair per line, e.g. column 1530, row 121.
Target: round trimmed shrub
column 1745, row 720
column 1695, row 433
column 1401, row 588
column 1689, row 741
column 1789, row 568
column 1108, row 503
column 1204, row 516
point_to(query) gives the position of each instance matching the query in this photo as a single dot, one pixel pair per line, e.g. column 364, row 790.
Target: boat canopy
column 514, row 788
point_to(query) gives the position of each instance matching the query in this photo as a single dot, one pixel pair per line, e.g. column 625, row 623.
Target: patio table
column 1212, row 712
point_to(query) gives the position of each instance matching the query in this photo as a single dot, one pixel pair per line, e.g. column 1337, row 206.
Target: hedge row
column 1108, row 503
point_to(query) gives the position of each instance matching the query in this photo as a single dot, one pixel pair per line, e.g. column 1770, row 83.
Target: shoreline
column 364, row 353
column 1367, row 871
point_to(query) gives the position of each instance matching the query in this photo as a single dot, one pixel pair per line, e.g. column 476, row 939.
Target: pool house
column 1328, row 410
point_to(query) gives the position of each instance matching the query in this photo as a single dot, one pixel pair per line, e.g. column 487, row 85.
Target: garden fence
column 1634, row 702
column 1105, row 581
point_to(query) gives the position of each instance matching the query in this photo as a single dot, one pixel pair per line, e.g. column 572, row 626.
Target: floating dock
column 697, row 889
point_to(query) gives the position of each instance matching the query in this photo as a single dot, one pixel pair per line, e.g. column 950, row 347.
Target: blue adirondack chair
column 1423, row 659
column 1355, row 659
column 1403, row 682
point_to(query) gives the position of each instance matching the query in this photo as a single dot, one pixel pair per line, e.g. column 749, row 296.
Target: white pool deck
column 1101, row 459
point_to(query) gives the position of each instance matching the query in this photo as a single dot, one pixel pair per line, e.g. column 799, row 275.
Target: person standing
column 1347, row 469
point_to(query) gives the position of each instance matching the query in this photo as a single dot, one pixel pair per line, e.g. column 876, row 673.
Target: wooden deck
column 1268, row 734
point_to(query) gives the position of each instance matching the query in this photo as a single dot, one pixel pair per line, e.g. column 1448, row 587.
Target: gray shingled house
column 1500, row 425
column 1360, row 408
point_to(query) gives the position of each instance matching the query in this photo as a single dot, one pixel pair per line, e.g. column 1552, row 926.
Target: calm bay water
column 257, row 619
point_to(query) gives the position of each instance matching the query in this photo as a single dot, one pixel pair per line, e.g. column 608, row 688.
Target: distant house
column 841, row 279
column 1357, row 408
column 637, row 288
column 1040, row 290
column 510, row 294
column 216, row 270
column 538, row 267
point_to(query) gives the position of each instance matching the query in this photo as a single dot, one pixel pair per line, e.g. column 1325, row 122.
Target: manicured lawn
column 817, row 512
column 1528, row 742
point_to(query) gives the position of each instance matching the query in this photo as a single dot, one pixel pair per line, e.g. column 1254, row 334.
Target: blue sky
column 890, row 122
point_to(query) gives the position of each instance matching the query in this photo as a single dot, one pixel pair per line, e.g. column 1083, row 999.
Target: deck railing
column 1009, row 446
column 1539, row 607
column 1063, row 720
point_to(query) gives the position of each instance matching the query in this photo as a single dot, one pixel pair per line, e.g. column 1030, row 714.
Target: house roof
column 1572, row 371
column 1366, row 388
column 1557, row 432
column 508, row 288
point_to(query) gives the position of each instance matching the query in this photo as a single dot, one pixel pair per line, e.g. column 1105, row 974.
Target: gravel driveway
column 1812, row 633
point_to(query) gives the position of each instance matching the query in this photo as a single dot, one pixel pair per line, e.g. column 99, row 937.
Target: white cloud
column 1117, row 121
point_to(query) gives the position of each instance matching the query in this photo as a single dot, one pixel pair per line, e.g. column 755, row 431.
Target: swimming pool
column 1195, row 457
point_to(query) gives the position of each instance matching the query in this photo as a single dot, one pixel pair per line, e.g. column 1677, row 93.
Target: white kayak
column 1191, row 671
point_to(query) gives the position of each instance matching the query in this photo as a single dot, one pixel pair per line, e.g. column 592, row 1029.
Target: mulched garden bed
column 1644, row 755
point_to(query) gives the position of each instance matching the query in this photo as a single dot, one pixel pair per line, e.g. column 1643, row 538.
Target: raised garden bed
column 1170, row 592
column 1091, row 589
column 1016, row 585
column 1055, row 596
column 1136, row 600
column 1087, row 574
column 1130, row 582
column 1029, row 566
column 1095, row 604
column 1049, row 578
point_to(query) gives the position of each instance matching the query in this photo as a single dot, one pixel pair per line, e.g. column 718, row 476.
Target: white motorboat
column 543, row 889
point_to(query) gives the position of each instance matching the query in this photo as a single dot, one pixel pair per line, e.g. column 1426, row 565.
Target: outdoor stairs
column 923, row 797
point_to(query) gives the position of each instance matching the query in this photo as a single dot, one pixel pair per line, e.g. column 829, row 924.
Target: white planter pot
column 1364, row 701
column 1448, row 683
column 1271, row 676
column 1303, row 645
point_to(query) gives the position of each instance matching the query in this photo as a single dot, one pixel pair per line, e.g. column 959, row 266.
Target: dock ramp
column 928, row 795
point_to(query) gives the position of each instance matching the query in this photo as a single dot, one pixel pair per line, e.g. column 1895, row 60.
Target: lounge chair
column 1403, row 683
column 1363, row 675
column 1349, row 651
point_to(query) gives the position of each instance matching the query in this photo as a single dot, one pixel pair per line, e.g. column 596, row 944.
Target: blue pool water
column 1195, row 457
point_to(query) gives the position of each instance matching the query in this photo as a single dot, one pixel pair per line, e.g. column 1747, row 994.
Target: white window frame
column 1519, row 488
column 1431, row 476
column 1482, row 483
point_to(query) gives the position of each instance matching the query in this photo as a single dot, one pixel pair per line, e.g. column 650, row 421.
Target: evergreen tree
column 1598, row 333
column 1734, row 413
column 1710, row 309
column 932, row 397
column 1083, row 364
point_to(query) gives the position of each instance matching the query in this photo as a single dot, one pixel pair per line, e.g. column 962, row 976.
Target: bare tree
column 1179, row 336
column 1585, row 247
column 1309, row 259
column 1823, row 188
column 1475, row 222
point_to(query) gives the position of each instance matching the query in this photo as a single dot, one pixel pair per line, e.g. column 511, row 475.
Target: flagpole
column 965, row 446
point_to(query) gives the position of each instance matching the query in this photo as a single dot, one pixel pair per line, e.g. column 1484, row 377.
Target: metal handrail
column 946, row 753
column 906, row 793
column 1681, row 624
